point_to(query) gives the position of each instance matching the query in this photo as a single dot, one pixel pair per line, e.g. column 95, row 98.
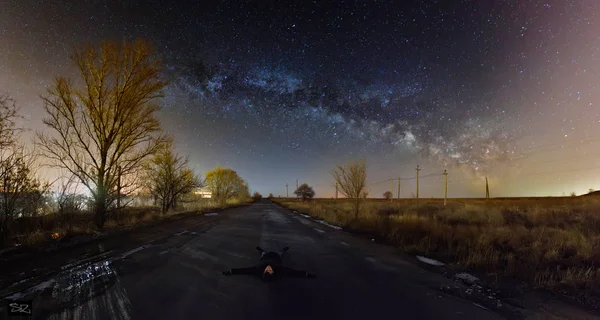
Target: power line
column 446, row 179
column 403, row 179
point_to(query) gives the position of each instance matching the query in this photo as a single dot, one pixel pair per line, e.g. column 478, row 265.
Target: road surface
column 179, row 277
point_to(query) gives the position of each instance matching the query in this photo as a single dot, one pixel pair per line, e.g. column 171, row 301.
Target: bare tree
column 21, row 193
column 9, row 113
column 351, row 180
column 169, row 177
column 107, row 126
column 68, row 201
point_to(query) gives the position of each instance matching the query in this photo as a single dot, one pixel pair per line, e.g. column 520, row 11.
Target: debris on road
column 466, row 277
column 211, row 214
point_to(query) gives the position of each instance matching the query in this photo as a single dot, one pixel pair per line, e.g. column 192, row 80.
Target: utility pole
column 297, row 188
column 118, row 187
column 487, row 189
column 418, row 169
column 445, row 186
column 287, row 194
column 398, row 188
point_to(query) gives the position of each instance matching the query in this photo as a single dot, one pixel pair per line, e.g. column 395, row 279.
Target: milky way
column 284, row 91
column 400, row 115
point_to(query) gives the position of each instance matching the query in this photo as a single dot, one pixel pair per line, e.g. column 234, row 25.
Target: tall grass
column 549, row 242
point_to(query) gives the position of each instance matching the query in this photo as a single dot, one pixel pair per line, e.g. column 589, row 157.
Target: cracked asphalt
column 178, row 276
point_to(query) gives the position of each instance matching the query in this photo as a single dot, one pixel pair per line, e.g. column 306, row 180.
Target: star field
column 284, row 91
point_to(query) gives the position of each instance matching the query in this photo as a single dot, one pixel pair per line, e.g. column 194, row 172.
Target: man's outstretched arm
column 297, row 273
column 248, row 270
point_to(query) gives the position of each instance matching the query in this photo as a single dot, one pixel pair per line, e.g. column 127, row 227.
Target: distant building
column 203, row 192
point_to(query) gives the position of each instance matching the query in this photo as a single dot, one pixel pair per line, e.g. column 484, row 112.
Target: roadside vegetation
column 549, row 242
column 118, row 167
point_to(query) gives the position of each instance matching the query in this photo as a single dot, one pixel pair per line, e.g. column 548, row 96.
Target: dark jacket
column 274, row 260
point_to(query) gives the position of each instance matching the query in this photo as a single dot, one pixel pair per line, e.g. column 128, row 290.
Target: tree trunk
column 3, row 233
column 164, row 205
column 170, row 202
column 100, row 209
column 356, row 208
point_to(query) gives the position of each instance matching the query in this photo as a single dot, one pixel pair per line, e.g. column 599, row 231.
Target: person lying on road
column 270, row 267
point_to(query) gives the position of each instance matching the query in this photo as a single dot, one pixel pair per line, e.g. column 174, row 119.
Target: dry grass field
column 549, row 242
column 41, row 229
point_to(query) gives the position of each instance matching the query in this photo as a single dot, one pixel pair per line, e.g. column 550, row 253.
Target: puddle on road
column 28, row 292
column 83, row 292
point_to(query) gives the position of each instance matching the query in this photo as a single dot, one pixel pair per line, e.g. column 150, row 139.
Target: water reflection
column 91, row 291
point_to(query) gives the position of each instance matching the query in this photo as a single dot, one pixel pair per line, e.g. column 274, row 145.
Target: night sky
column 285, row 90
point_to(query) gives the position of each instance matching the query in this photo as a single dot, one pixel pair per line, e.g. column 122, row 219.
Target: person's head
column 268, row 274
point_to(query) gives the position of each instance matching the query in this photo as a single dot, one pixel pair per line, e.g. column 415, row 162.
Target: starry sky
column 285, row 90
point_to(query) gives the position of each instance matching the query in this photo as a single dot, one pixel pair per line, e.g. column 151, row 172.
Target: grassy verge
column 551, row 243
column 41, row 230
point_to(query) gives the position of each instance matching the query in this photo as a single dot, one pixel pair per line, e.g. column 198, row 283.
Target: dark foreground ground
column 174, row 272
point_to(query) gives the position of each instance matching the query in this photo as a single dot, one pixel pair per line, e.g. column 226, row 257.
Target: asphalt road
column 179, row 277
